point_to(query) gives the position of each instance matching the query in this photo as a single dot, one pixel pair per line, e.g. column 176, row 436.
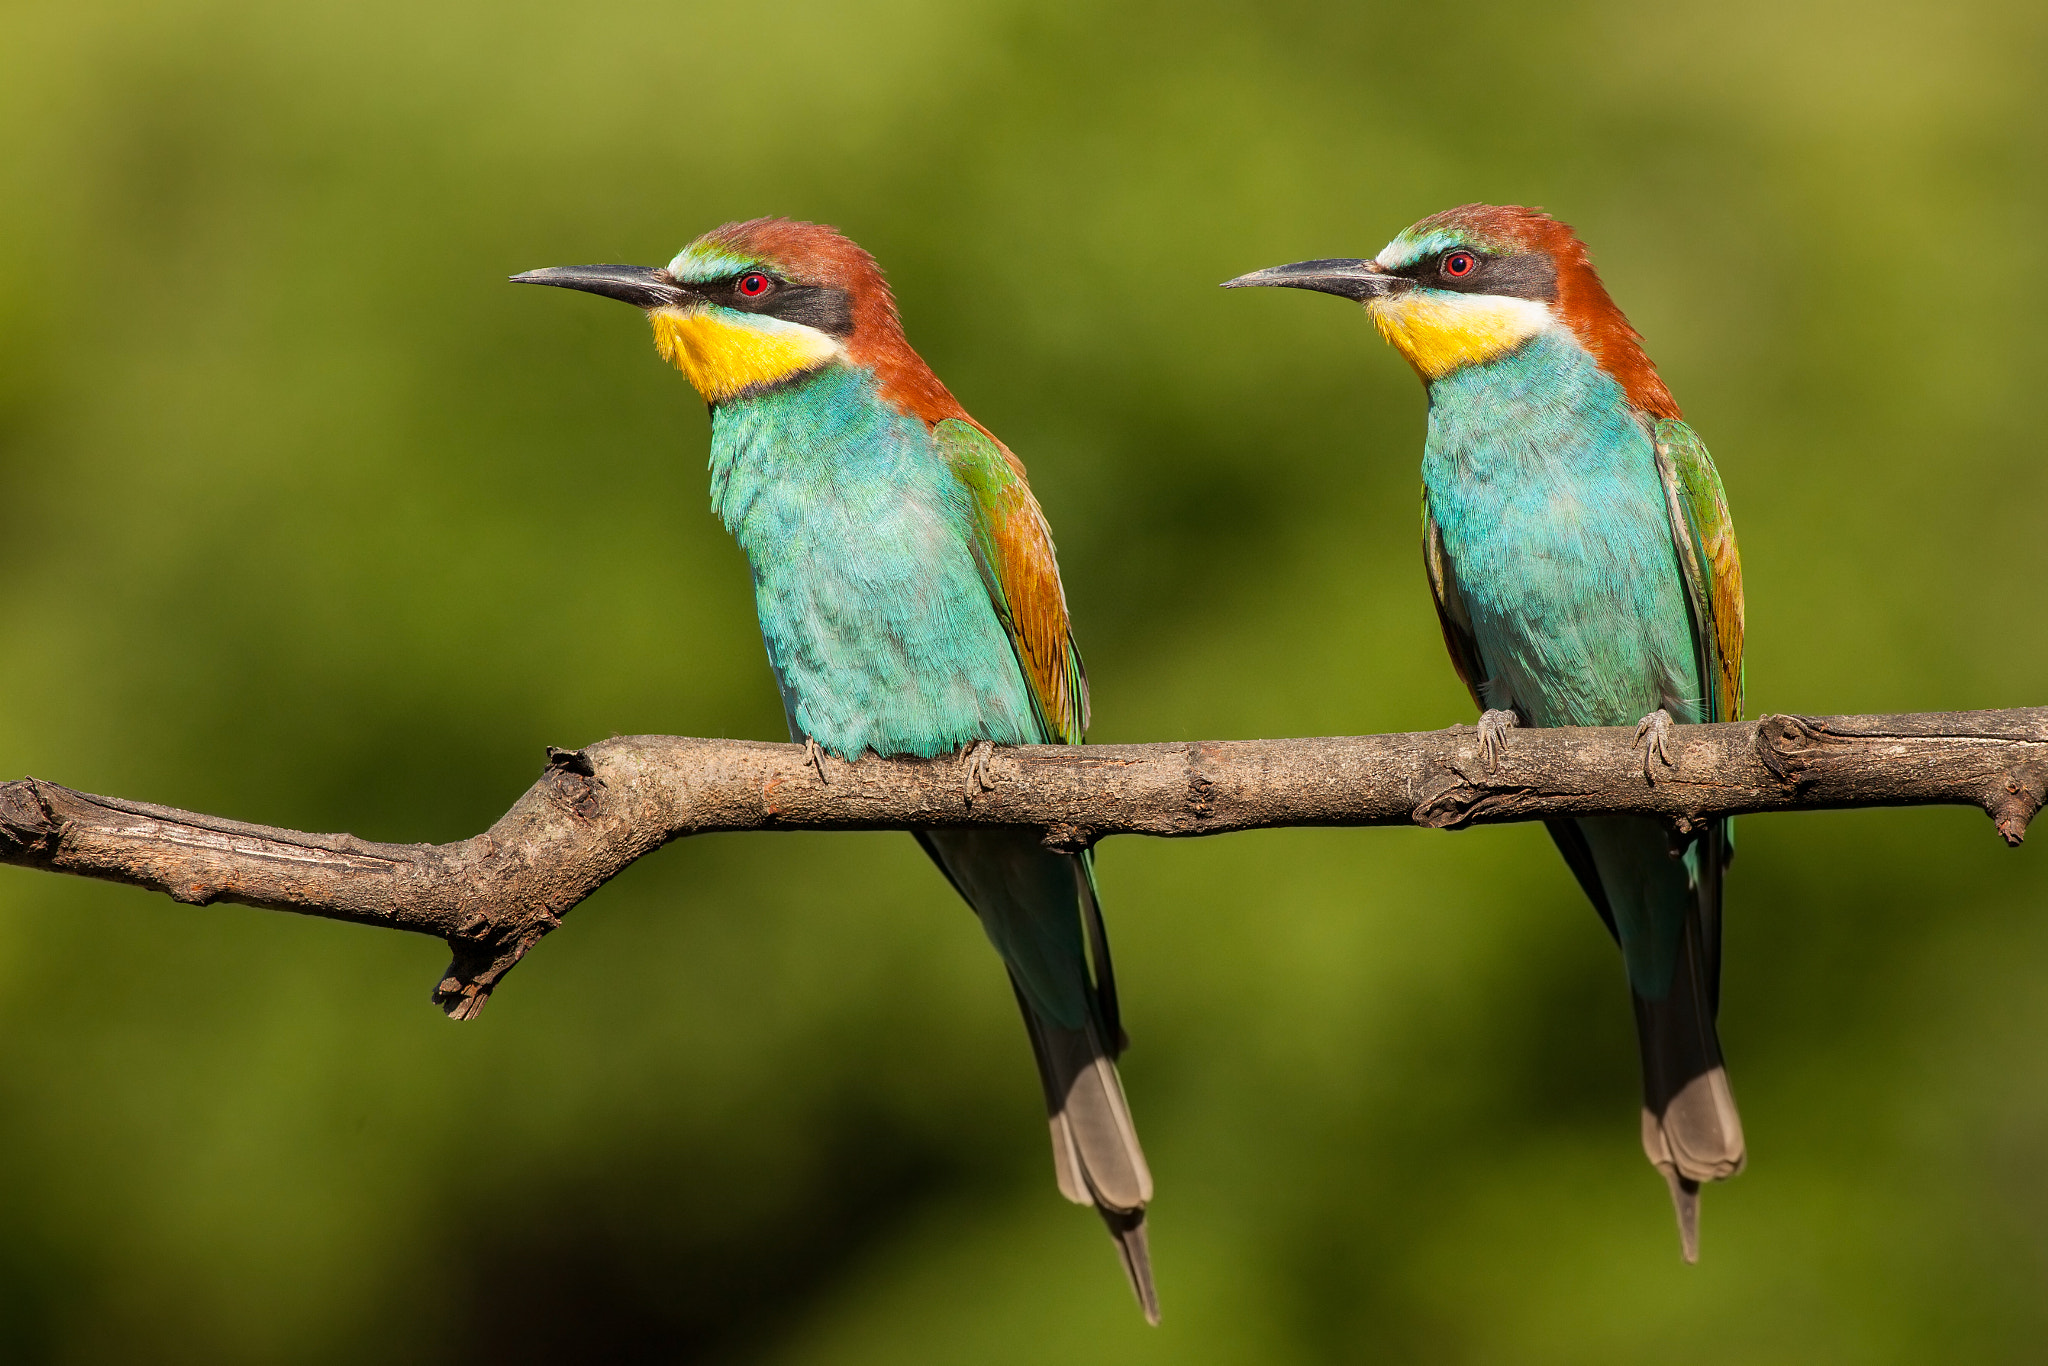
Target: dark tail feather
column 1691, row 1131
column 1098, row 953
column 1129, row 1232
column 1095, row 1152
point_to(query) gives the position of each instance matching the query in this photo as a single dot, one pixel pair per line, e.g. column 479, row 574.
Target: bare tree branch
column 596, row 810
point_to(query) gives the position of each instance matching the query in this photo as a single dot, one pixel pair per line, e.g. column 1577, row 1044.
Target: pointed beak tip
column 543, row 275
column 640, row 286
column 1352, row 279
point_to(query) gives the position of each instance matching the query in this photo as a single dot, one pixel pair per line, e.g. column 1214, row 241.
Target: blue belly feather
column 1544, row 483
column 877, row 621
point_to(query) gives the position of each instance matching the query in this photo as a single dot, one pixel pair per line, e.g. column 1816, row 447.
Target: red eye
column 1458, row 264
column 753, row 286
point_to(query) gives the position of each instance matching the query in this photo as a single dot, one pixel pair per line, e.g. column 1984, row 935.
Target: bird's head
column 1471, row 284
column 750, row 306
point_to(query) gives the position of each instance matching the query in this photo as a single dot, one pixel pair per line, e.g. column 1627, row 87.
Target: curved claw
column 814, row 755
column 1493, row 734
column 978, row 778
column 1653, row 734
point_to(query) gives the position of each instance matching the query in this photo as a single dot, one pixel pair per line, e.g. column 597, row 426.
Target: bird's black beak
column 1360, row 280
column 640, row 286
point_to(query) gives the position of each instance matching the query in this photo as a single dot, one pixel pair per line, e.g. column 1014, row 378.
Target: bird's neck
column 1545, row 402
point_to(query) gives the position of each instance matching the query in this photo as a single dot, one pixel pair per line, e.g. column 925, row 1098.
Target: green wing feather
column 1704, row 536
column 1013, row 547
column 1450, row 609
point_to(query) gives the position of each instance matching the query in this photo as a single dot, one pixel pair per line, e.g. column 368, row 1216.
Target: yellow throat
column 1440, row 332
column 722, row 357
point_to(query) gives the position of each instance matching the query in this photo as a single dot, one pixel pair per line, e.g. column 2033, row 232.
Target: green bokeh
column 309, row 518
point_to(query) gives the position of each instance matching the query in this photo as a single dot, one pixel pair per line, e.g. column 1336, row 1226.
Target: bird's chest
column 1545, row 488
column 841, row 509
column 876, row 619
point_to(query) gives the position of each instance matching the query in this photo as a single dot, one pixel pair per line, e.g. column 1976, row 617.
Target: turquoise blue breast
column 877, row 622
column 1544, row 483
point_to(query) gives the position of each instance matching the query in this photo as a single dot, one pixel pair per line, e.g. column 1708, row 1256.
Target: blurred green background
column 310, row 519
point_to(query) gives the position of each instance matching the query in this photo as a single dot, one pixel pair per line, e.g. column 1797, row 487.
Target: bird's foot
column 977, row 778
column 814, row 757
column 1493, row 736
column 1653, row 734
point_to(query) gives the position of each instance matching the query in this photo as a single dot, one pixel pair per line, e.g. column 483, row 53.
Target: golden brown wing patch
column 1014, row 546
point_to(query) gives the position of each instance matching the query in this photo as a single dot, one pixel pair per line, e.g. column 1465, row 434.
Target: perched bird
column 910, row 603
column 1579, row 547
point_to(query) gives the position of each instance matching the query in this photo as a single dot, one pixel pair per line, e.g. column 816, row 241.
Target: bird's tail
column 1095, row 1154
column 1691, row 1131
column 1041, row 911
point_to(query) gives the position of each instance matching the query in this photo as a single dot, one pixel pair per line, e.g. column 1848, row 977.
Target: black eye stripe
column 729, row 286
column 1520, row 275
column 820, row 306
column 828, row 309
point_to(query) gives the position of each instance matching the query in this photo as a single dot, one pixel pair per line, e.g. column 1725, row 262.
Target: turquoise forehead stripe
column 1405, row 251
column 707, row 263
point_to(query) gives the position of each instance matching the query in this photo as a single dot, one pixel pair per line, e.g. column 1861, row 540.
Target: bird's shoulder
column 1013, row 547
column 1704, row 534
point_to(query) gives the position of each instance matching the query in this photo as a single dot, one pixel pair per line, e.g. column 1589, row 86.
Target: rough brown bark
column 596, row 810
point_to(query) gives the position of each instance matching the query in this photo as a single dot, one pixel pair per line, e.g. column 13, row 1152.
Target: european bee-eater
column 1579, row 548
column 910, row 603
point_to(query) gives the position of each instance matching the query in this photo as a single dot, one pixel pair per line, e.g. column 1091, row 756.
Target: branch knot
column 573, row 782
column 2013, row 803
column 29, row 824
column 1199, row 783
column 1787, row 745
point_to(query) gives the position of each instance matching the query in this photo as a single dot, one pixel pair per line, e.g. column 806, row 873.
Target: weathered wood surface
column 595, row 810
